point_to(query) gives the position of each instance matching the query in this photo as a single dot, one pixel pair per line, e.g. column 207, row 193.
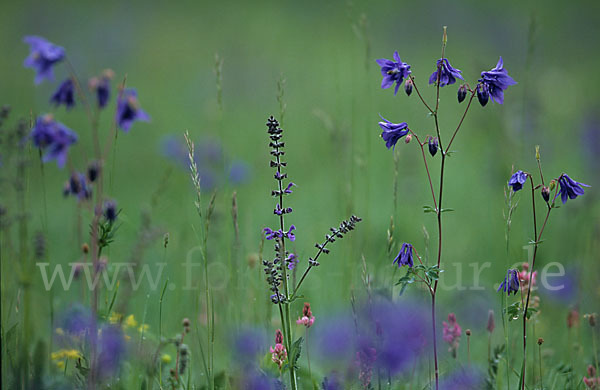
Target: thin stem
column 541, row 375
column 422, row 145
column 412, row 79
column 321, row 248
column 461, row 120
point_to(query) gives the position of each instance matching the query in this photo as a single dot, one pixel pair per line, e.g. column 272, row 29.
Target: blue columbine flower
column 101, row 86
column 110, row 211
column 497, row 80
column 405, row 256
column 54, row 138
column 78, row 186
column 42, row 57
column 129, row 111
column 392, row 132
column 393, row 71
column 517, row 180
column 64, row 94
column 569, row 188
column 511, row 282
column 448, row 74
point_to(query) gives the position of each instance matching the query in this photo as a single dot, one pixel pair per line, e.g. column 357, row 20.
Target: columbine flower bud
column 483, row 94
column 433, row 146
column 462, row 93
column 546, row 193
column 572, row 318
column 468, row 332
column 408, row 138
column 408, row 86
column 491, row 323
column 540, row 341
column 552, row 185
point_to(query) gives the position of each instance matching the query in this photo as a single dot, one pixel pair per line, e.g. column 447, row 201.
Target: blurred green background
column 326, row 52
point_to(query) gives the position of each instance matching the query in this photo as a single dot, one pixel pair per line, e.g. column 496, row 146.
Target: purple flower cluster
column 53, row 138
column 271, row 234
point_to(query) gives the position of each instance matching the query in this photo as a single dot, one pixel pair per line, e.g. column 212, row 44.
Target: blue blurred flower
column 332, row 382
column 405, row 256
column 76, row 320
column 101, row 85
column 64, row 94
column 110, row 211
column 517, row 180
column 496, row 81
column 393, row 71
column 42, row 57
column 511, row 282
column 111, row 347
column 448, row 74
column 53, row 138
column 239, row 172
column 569, row 188
column 463, row 379
column 129, row 111
column 392, row 132
column 78, row 186
column 248, row 344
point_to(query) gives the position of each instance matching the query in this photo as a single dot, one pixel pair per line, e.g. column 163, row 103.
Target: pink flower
column 307, row 318
column 524, row 276
column 278, row 354
column 452, row 332
column 593, row 382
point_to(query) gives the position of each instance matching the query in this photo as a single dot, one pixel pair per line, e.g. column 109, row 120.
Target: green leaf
column 295, row 352
column 429, row 209
column 448, row 209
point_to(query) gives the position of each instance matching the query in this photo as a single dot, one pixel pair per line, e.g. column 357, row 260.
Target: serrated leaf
column 296, row 351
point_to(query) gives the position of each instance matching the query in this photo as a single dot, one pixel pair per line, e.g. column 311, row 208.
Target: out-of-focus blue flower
column 239, row 172
column 53, row 138
column 76, row 320
column 101, row 86
column 129, row 111
column 392, row 132
column 110, row 211
column 569, row 188
column 78, row 186
column 448, row 74
column 255, row 380
column 64, row 94
column 332, row 382
column 497, row 80
column 111, row 349
column 248, row 344
column 463, row 379
column 405, row 256
column 42, row 57
column 517, row 180
column 393, row 71
column 511, row 282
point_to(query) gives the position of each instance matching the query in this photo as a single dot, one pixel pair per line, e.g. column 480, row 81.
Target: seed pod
column 462, row 93
column 408, row 138
column 408, row 87
column 482, row 94
column 540, row 341
column 546, row 193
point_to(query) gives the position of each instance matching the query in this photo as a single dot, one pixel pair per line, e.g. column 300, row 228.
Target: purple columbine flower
column 129, row 111
column 64, row 94
column 392, row 132
column 448, row 74
column 42, row 57
column 497, row 80
column 433, row 145
column 393, row 71
column 517, row 180
column 54, row 138
column 511, row 282
column 101, row 85
column 405, row 256
column 569, row 188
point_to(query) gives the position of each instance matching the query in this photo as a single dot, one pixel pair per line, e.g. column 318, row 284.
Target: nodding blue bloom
column 54, row 138
column 569, row 188
column 405, row 256
column 517, row 180
column 433, row 145
column 448, row 74
column 78, row 186
column 42, row 57
column 497, row 80
column 511, row 282
column 110, row 211
column 129, row 111
column 392, row 132
column 111, row 345
column 101, row 85
column 393, row 71
column 64, row 94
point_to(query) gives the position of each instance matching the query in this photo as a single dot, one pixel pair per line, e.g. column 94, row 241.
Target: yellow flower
column 60, row 331
column 72, row 354
column 130, row 321
column 115, row 317
column 143, row 328
column 65, row 354
column 60, row 364
column 166, row 358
